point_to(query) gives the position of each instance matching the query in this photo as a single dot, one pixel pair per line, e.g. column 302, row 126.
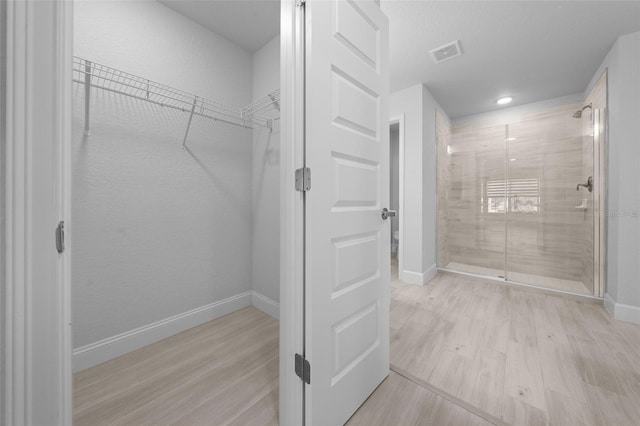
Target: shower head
column 578, row 113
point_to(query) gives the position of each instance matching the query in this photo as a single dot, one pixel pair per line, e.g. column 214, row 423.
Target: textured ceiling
column 530, row 50
column 248, row 23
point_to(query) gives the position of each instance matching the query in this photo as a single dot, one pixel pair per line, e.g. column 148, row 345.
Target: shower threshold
column 575, row 288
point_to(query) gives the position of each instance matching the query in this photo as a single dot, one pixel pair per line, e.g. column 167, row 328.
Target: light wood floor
column 399, row 401
column 521, row 355
column 466, row 345
column 222, row 372
column 225, row 372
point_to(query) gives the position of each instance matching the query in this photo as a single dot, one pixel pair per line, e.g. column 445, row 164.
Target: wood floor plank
column 188, row 382
column 564, row 410
column 262, row 413
column 597, row 367
column 609, row 408
column 549, row 327
column 398, row 401
column 399, row 313
column 559, row 372
column 517, row 412
column 417, row 347
column 521, row 356
column 555, row 348
column 488, row 387
column 626, row 359
column 455, row 374
column 163, row 382
column 523, row 377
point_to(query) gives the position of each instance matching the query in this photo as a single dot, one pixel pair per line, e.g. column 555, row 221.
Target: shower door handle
column 387, row 213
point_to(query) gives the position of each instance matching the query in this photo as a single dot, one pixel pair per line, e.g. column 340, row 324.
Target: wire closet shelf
column 94, row 75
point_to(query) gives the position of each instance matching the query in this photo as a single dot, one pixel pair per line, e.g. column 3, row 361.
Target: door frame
column 399, row 120
column 27, row 45
column 24, row 43
column 292, row 157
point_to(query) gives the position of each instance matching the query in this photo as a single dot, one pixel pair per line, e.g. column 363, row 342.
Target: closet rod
column 271, row 99
column 94, row 75
column 177, row 108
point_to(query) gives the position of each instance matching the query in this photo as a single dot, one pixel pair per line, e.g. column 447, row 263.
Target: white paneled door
column 347, row 277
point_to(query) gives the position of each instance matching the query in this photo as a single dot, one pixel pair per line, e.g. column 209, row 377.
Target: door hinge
column 303, row 369
column 60, row 237
column 303, row 179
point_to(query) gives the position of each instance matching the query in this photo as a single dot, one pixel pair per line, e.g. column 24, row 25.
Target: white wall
column 157, row 231
column 623, row 223
column 429, row 172
column 266, row 179
column 419, row 245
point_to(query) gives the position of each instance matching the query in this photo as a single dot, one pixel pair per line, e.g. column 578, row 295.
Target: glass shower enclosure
column 514, row 201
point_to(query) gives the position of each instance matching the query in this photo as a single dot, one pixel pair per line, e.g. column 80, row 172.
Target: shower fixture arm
column 588, row 185
column 578, row 113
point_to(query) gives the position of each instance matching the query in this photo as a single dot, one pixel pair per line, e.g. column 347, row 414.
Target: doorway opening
column 175, row 188
column 396, row 194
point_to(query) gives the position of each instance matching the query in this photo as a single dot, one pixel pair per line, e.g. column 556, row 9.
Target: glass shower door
column 549, row 220
column 472, row 200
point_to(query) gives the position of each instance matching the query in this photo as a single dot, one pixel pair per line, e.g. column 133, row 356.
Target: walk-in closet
column 175, row 243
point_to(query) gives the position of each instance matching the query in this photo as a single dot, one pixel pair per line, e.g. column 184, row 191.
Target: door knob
column 387, row 213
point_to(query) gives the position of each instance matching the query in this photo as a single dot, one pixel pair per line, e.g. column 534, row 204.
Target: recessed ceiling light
column 504, row 101
column 512, row 159
column 510, row 139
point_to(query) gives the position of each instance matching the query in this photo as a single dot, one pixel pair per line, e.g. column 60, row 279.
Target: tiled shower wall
column 507, row 195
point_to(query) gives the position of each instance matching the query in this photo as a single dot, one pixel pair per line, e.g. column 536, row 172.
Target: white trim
column 420, row 278
column 430, row 273
column 115, row 346
column 265, row 304
column 620, row 311
column 16, row 386
column 64, row 112
column 610, row 305
column 292, row 56
column 400, row 120
column 411, row 277
column 37, row 327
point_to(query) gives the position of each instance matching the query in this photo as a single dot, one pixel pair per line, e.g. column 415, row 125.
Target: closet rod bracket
column 87, row 98
column 186, row 133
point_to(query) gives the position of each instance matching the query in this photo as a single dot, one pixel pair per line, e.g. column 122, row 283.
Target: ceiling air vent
column 446, row 52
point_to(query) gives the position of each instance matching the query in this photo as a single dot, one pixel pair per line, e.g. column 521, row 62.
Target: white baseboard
column 620, row 311
column 266, row 305
column 112, row 347
column 430, row 273
column 411, row 277
column 419, row 278
column 610, row 305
